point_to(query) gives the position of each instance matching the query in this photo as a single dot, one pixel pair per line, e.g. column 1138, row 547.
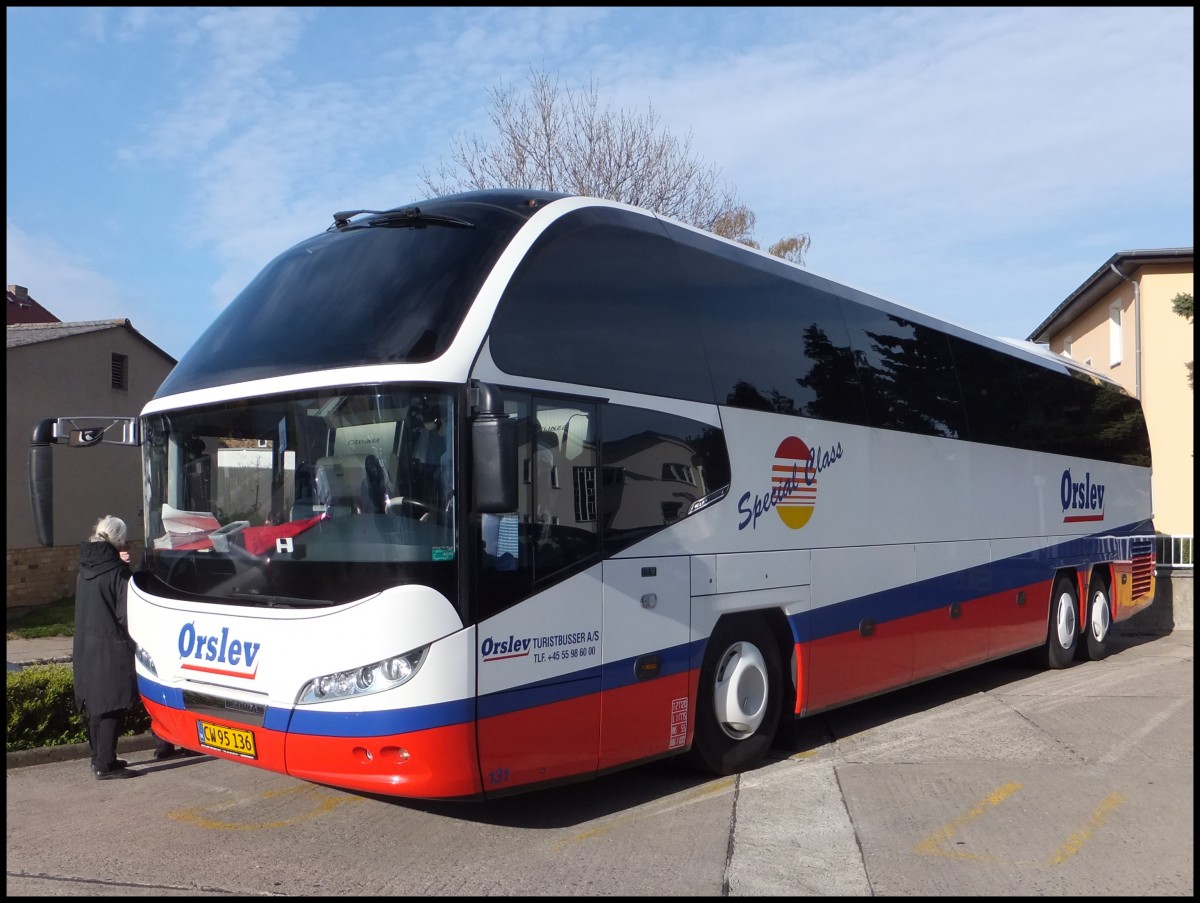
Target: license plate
column 227, row 739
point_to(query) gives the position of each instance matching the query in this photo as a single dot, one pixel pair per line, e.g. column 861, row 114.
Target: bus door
column 539, row 657
column 646, row 626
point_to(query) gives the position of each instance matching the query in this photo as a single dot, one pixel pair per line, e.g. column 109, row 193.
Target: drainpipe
column 1137, row 332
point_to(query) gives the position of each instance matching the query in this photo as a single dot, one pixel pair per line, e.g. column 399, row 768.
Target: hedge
column 41, row 709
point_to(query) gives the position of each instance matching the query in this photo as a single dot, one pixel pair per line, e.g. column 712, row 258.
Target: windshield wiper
column 400, row 216
column 280, row 601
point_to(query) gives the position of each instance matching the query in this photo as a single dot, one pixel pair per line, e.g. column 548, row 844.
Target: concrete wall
column 1172, row 608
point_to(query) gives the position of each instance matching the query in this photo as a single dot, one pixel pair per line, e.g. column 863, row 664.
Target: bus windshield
column 302, row 499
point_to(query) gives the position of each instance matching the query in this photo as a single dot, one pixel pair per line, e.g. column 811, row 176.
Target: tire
column 1063, row 635
column 1098, row 627
column 738, row 701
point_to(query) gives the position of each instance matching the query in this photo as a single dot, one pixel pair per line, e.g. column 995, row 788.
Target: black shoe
column 114, row 774
column 167, row 752
column 119, row 763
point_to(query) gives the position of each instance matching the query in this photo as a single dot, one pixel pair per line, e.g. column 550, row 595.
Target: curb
column 67, row 751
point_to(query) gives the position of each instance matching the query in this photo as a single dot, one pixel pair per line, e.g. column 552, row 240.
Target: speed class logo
column 793, row 488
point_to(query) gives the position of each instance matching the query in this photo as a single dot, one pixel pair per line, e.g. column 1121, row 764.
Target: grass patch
column 56, row 618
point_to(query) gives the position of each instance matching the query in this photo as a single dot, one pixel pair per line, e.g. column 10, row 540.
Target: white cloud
column 58, row 280
column 996, row 146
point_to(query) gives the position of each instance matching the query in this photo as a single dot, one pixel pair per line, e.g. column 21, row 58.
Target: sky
column 975, row 163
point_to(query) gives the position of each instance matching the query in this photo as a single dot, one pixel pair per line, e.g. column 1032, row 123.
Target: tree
column 556, row 139
column 1182, row 305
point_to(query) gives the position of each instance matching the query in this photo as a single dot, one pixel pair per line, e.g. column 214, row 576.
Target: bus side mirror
column 46, row 434
column 41, row 491
column 493, row 454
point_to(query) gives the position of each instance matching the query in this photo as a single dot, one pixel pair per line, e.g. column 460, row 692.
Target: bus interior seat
column 339, row 483
column 340, row 480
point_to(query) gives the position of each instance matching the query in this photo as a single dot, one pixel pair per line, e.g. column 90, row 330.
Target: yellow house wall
column 1166, row 347
column 1168, row 400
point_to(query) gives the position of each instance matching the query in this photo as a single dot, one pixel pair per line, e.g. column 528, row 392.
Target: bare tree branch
column 557, row 139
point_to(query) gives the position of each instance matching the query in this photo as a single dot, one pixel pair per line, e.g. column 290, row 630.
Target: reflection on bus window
column 305, row 484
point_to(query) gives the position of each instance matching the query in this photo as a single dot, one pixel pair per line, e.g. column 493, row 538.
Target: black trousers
column 103, row 731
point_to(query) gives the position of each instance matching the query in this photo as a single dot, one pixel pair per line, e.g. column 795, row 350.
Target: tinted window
column 597, row 302
column 774, row 343
column 907, row 373
column 364, row 296
column 655, row 468
column 1017, row 403
column 1053, row 420
column 991, row 391
column 1115, row 427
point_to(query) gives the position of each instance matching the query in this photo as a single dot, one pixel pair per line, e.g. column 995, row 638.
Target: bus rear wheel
column 738, row 701
column 1064, row 623
column 1099, row 620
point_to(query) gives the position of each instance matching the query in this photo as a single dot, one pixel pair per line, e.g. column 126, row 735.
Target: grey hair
column 110, row 529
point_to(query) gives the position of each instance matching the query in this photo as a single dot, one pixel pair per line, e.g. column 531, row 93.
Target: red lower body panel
column 435, row 763
column 848, row 666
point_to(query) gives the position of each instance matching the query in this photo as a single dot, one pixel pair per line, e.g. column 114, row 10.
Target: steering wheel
column 424, row 509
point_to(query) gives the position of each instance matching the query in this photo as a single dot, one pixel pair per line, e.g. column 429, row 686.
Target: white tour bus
column 512, row 488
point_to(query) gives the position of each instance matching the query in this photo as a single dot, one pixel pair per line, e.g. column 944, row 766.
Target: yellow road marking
column 932, row 845
column 322, row 801
column 1078, row 838
column 935, row 843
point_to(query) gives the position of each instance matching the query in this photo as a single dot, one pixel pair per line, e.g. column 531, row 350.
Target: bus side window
column 504, row 555
column 656, row 467
column 565, row 500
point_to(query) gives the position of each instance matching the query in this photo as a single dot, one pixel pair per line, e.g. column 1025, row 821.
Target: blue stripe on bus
column 615, row 675
column 381, row 724
column 899, row 602
column 304, row 720
column 543, row 692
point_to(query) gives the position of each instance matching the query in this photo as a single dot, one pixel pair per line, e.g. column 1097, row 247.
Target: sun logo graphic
column 793, row 491
column 793, row 482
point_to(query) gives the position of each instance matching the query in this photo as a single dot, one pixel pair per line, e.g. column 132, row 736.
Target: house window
column 120, row 371
column 679, row 473
column 1067, row 342
column 1115, row 342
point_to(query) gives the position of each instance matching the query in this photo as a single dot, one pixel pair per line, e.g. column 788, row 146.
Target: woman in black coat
column 102, row 657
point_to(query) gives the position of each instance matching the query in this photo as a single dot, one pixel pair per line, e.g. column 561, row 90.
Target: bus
column 507, row 489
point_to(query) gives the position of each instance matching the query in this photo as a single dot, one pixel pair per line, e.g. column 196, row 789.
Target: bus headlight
column 373, row 678
column 147, row 662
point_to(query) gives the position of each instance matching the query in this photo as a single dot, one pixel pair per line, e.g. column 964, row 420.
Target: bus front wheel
column 1099, row 620
column 1064, row 623
column 738, row 704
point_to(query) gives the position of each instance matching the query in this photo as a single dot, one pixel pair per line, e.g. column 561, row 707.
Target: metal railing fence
column 1173, row 551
